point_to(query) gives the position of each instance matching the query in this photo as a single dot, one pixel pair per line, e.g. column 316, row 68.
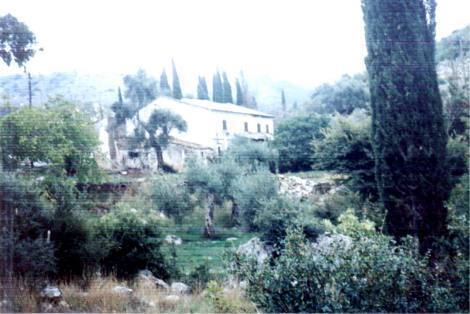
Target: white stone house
column 210, row 127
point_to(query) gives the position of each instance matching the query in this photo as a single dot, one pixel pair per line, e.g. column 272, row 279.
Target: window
column 259, row 128
column 224, row 125
column 132, row 154
column 246, row 126
column 267, row 128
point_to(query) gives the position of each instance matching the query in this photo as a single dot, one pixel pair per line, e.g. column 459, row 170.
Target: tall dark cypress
column 240, row 96
column 176, row 83
column 283, row 100
column 227, row 89
column 202, row 92
column 408, row 133
column 217, row 88
column 164, row 85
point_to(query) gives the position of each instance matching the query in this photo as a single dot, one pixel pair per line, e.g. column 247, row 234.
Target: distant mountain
column 82, row 89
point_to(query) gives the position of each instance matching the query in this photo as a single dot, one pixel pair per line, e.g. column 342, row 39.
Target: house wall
column 205, row 135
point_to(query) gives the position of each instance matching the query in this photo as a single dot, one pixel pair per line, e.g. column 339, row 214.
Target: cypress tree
column 227, row 89
column 217, row 88
column 240, row 96
column 176, row 83
column 283, row 101
column 164, row 86
column 408, row 133
column 202, row 92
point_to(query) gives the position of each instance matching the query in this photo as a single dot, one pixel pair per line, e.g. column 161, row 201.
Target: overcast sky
column 305, row 42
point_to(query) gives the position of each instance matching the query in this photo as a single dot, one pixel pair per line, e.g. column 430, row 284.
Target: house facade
column 210, row 127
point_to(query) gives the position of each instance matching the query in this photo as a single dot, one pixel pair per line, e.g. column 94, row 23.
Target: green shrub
column 275, row 217
column 370, row 274
column 337, row 203
column 33, row 256
column 171, row 196
column 251, row 192
column 200, row 276
column 131, row 243
column 346, row 148
column 457, row 158
column 252, row 155
column 293, row 138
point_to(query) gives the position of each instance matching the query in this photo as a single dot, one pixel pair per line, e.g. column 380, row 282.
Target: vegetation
column 60, row 136
column 346, row 95
column 293, row 141
column 409, row 137
column 17, row 41
column 358, row 221
column 345, row 146
column 159, row 125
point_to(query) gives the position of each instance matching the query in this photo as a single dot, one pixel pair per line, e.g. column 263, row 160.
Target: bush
column 293, row 138
column 252, row 155
column 370, row 274
column 337, row 203
column 251, row 192
column 276, row 216
column 33, row 256
column 171, row 196
column 131, row 243
column 457, row 158
column 346, row 148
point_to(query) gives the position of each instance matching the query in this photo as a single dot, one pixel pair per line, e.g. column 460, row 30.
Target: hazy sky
column 305, row 42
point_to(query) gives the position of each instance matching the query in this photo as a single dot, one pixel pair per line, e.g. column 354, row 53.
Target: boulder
column 172, row 239
column 121, row 289
column 51, row 293
column 172, row 298
column 330, row 243
column 146, row 277
column 52, row 300
column 254, row 248
column 179, row 287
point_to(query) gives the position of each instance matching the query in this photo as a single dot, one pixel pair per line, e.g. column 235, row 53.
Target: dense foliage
column 344, row 96
column 293, row 141
column 60, row 136
column 16, row 41
column 345, row 147
column 131, row 242
column 408, row 132
column 357, row 270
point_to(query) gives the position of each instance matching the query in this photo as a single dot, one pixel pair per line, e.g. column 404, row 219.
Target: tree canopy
column 16, row 41
column 60, row 136
column 141, row 89
column 408, row 133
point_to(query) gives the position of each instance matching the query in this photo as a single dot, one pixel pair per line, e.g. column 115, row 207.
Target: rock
column 330, row 243
column 254, row 248
column 146, row 276
column 51, row 294
column 121, row 289
column 172, row 239
column 179, row 287
column 51, row 300
column 172, row 298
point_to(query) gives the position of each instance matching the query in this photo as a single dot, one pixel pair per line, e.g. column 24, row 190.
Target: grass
column 99, row 297
column 196, row 249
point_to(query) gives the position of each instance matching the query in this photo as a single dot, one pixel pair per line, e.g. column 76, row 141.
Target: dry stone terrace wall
column 311, row 189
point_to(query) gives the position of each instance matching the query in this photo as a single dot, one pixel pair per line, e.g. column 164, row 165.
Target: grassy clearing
column 196, row 249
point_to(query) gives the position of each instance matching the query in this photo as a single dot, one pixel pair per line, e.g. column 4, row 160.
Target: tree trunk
column 159, row 153
column 209, row 231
